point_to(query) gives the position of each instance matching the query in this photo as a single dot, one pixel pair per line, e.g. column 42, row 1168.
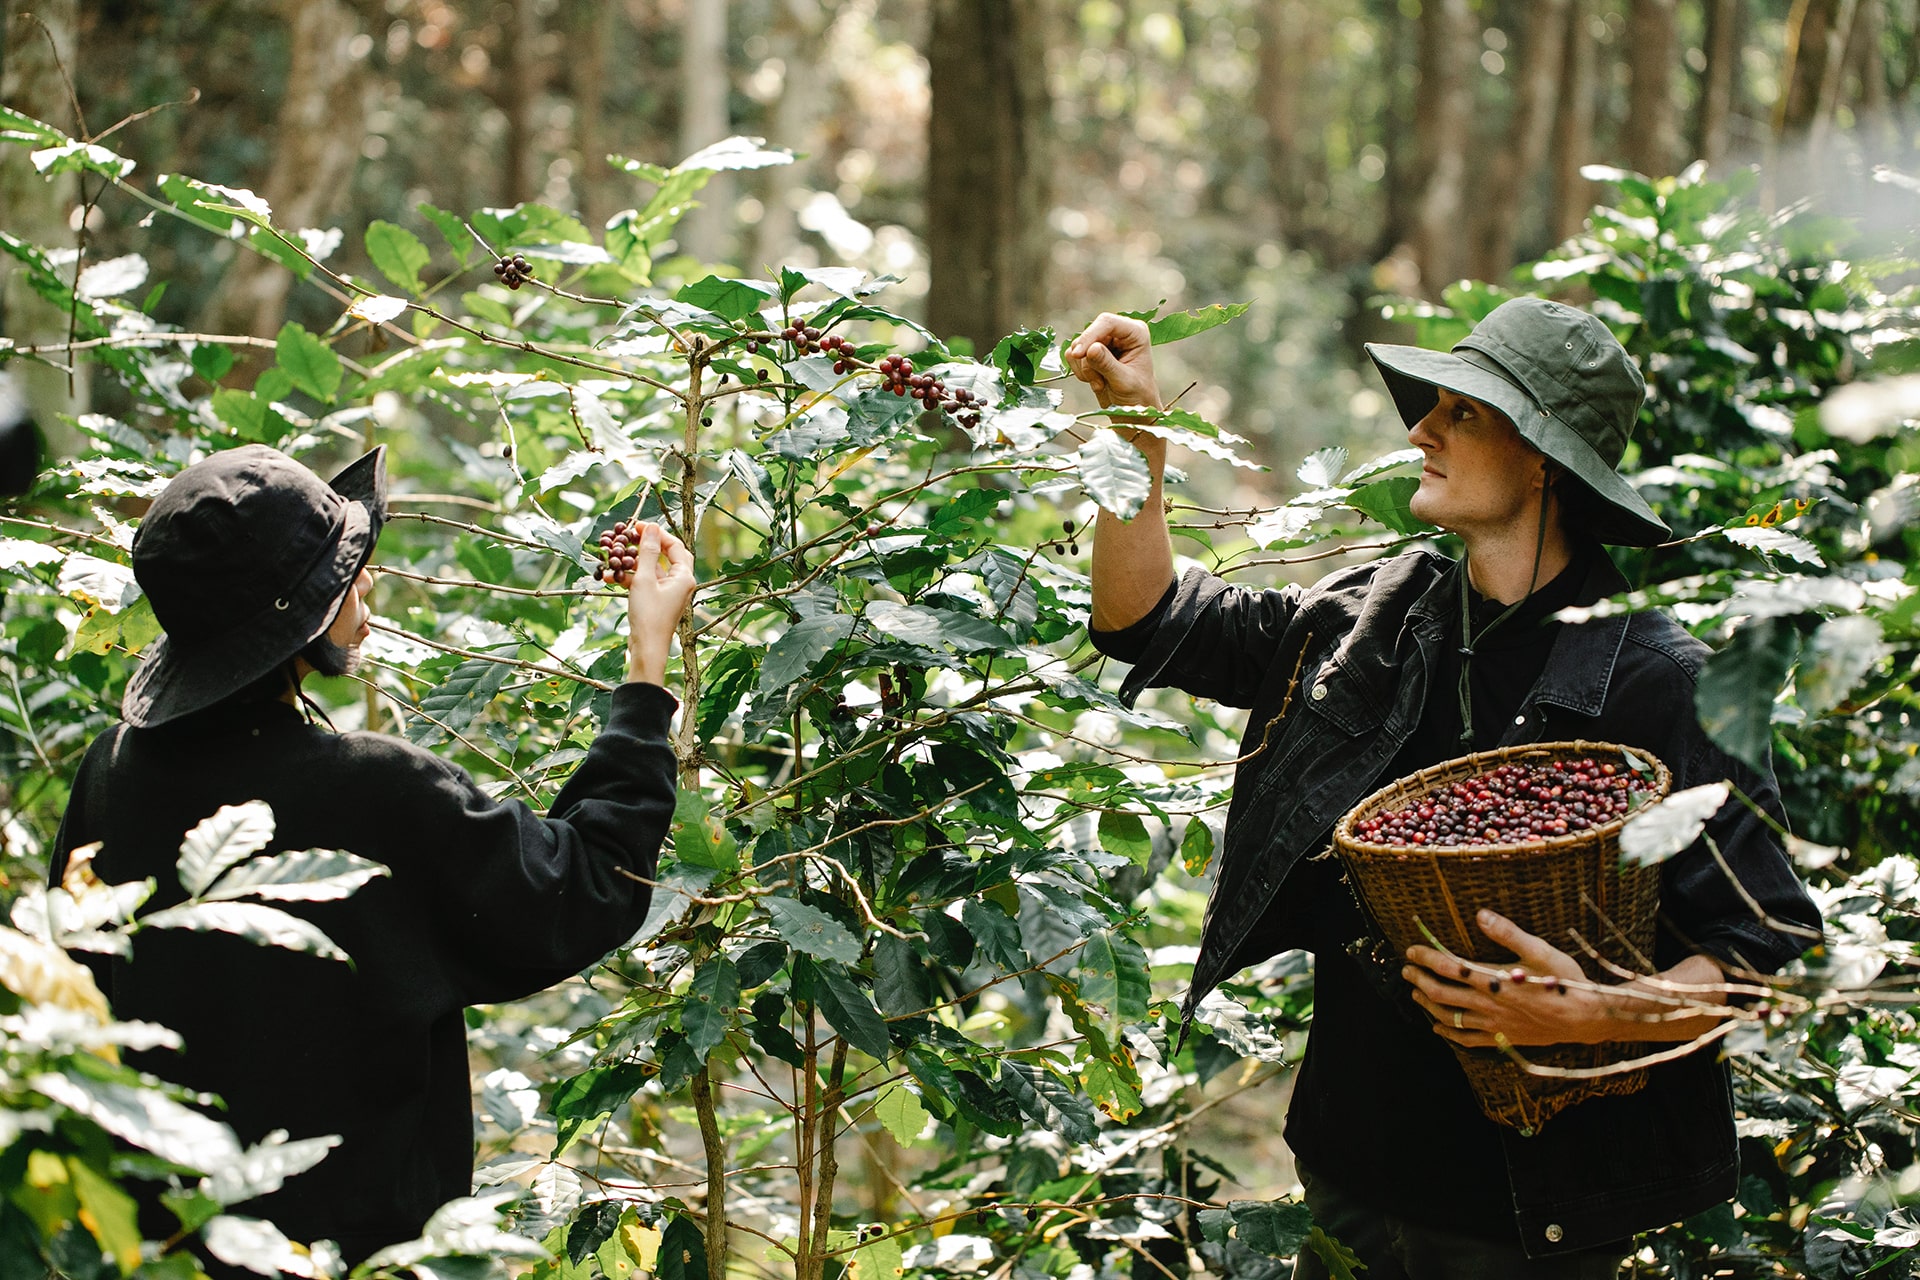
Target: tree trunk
column 987, row 183
column 1573, row 126
column 36, row 207
column 1402, row 178
column 798, row 28
column 1719, row 81
column 595, row 25
column 1509, row 172
column 317, row 140
column 1810, row 37
column 1444, row 124
column 1285, row 60
column 1651, row 141
column 519, row 91
column 703, row 122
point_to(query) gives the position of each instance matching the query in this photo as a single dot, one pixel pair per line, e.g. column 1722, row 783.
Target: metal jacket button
column 1319, row 692
column 1554, row 1233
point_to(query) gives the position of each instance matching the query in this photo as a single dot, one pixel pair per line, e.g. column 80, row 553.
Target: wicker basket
column 1564, row 888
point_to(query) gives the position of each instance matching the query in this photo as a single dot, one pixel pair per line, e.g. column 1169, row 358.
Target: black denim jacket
column 1335, row 677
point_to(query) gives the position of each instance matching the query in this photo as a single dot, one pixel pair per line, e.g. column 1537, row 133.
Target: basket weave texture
column 1571, row 890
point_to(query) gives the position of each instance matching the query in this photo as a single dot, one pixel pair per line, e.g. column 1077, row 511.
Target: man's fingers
column 1529, row 947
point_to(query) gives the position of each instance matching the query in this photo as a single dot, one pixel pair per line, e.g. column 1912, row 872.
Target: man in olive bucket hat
column 257, row 571
column 1382, row 669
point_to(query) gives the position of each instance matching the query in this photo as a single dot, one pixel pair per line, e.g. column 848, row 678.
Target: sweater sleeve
column 523, row 901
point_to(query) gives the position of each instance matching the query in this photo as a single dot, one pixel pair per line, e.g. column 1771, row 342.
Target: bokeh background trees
column 1016, row 163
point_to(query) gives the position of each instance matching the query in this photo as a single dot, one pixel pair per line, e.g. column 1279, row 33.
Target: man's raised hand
column 1114, row 357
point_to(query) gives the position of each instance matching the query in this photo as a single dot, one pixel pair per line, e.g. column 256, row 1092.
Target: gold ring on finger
column 1459, row 1020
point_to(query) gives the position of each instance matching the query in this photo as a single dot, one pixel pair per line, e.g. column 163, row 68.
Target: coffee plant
column 904, row 1003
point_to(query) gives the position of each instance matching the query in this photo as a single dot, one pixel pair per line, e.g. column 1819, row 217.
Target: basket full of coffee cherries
column 1532, row 832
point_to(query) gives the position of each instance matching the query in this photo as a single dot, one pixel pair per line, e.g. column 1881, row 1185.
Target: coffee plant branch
column 443, row 647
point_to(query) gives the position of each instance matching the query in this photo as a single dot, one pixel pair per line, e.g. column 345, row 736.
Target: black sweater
column 486, row 901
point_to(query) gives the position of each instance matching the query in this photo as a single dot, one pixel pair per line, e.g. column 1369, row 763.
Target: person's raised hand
column 657, row 596
column 1114, row 357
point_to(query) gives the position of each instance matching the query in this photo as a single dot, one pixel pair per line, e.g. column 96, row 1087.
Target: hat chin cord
column 1468, row 640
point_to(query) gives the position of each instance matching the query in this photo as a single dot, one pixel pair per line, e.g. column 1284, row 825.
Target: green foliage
column 908, row 890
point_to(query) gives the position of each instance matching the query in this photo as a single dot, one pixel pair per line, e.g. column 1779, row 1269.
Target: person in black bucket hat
column 257, row 570
column 1387, row 667
column 247, row 558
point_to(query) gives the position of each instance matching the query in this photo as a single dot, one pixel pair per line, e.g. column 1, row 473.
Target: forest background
column 1340, row 167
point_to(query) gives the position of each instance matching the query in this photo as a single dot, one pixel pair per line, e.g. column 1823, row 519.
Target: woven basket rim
column 1481, row 762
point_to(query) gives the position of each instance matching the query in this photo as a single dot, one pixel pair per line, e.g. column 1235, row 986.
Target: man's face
column 1478, row 476
column 351, row 625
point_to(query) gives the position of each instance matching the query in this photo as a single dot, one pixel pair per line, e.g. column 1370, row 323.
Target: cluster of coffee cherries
column 619, row 554
column 1511, row 804
column 807, row 340
column 513, row 271
column 1067, row 545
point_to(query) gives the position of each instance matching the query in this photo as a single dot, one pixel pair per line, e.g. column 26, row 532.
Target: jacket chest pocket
column 1335, row 694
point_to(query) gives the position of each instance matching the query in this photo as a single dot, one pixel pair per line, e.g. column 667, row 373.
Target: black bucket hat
column 1565, row 382
column 245, row 558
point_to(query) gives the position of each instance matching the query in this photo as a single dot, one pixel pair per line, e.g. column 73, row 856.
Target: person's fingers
column 1537, row 952
column 678, row 556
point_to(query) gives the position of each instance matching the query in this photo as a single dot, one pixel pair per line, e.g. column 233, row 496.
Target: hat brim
column 176, row 680
column 1415, row 376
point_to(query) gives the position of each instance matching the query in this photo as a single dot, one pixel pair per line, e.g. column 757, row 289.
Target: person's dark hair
column 1580, row 507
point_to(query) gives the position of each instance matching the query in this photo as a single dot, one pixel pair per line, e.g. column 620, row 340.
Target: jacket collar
column 1584, row 654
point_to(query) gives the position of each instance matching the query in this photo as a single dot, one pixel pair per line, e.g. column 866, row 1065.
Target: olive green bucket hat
column 1566, row 384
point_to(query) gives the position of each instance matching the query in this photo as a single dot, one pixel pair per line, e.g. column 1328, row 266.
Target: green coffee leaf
column 1184, row 324
column 899, row 1109
column 683, row 1251
column 712, row 999
column 733, row 299
column 800, row 647
column 459, row 241
column 311, row 363
column 233, row 833
column 1051, row 1104
column 1735, row 692
column 811, row 930
column 700, row 839
column 996, row 932
column 263, row 926
column 454, row 705
column 899, row 983
column 1196, row 847
column 936, row 628
column 1114, row 975
column 879, row 1260
column 398, row 253
column 1669, row 826
column 1386, row 501
column 1125, row 834
column 1277, row 1228
column 1114, row 1088
column 590, row 1097
column 310, row 875
column 592, row 1226
column 1114, row 473
column 849, row 1012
